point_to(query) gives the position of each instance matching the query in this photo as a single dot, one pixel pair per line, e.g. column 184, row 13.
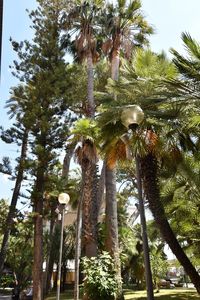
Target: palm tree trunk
column 13, row 204
column 148, row 274
column 90, row 86
column 149, row 170
column 78, row 248
column 115, row 64
column 101, row 187
column 67, row 159
column 89, row 213
column 90, row 174
column 112, row 241
column 111, row 212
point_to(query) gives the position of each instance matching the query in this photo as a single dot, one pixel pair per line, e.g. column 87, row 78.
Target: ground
column 175, row 294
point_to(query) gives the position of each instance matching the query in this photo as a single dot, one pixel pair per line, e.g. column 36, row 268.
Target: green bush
column 100, row 277
column 7, row 280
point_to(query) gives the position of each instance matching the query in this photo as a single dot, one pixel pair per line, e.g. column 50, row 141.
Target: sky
column 169, row 19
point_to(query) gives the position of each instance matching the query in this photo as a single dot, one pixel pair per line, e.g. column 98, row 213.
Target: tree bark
column 15, row 196
column 89, row 226
column 50, row 259
column 112, row 241
column 67, row 159
column 115, row 65
column 90, row 175
column 148, row 274
column 149, row 168
column 111, row 212
column 78, row 248
column 38, row 235
column 90, row 86
column 101, row 188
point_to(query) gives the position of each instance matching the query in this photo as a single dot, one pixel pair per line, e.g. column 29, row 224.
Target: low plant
column 100, row 277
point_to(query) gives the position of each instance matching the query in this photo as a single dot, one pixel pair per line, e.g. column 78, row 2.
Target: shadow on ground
column 164, row 295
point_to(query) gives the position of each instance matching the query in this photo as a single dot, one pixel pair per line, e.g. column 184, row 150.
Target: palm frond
column 191, row 45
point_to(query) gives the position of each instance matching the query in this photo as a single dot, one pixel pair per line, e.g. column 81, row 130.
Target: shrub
column 100, row 277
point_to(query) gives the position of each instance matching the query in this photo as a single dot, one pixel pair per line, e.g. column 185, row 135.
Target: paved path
column 5, row 297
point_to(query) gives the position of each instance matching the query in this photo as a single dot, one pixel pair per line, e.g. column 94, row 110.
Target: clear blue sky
column 169, row 18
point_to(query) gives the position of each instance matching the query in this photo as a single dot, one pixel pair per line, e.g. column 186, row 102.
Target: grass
column 67, row 295
column 175, row 294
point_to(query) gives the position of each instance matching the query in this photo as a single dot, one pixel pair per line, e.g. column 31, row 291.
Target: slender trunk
column 115, row 64
column 38, row 235
column 111, row 212
column 15, row 196
column 100, row 192
column 38, row 242
column 89, row 200
column 51, row 256
column 149, row 174
column 89, row 227
column 78, row 248
column 90, row 87
column 112, row 242
column 60, row 254
column 89, row 197
column 67, row 159
column 64, row 273
column 148, row 274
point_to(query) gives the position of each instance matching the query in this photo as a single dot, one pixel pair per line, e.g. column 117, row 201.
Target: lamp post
column 63, row 199
column 131, row 118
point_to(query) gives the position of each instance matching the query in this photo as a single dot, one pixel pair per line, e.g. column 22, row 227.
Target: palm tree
column 86, row 155
column 126, row 27
column 82, row 20
column 151, row 189
column 180, row 190
column 159, row 111
column 123, row 28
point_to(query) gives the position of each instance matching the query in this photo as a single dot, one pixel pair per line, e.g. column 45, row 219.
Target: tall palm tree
column 160, row 111
column 83, row 28
column 86, row 154
column 82, row 24
column 180, row 190
column 149, row 167
column 124, row 27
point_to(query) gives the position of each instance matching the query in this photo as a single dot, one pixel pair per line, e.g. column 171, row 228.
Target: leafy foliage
column 100, row 282
column 3, row 214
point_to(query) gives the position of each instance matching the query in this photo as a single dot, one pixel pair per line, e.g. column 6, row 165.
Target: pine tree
column 42, row 66
column 17, row 134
